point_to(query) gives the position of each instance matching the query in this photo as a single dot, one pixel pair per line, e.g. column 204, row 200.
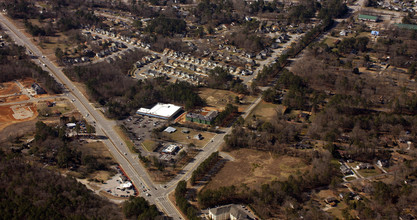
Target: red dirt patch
column 8, row 88
column 15, row 98
column 27, row 83
column 16, row 113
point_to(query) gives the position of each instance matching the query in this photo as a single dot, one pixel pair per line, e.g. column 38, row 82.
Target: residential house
column 38, row 89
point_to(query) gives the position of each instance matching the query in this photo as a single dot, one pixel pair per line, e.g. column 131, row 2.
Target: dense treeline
column 139, row 208
column 250, row 42
column 220, row 78
column 22, row 67
column 214, row 13
column 204, row 167
column 109, row 85
column 68, row 14
column 347, row 45
column 20, row 8
column 180, row 198
column 166, row 26
column 29, row 192
column 226, row 115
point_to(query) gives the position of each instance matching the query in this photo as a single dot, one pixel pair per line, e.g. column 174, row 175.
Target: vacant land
column 16, row 113
column 254, row 168
column 369, row 172
column 61, row 105
column 186, row 138
column 220, row 98
column 266, row 111
column 8, row 88
column 149, row 145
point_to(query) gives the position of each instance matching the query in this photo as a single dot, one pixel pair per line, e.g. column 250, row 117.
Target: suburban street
column 127, row 160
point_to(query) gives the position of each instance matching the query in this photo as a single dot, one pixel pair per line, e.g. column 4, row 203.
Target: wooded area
column 29, row 192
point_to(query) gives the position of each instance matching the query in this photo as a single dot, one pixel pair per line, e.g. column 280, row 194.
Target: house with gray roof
column 231, row 212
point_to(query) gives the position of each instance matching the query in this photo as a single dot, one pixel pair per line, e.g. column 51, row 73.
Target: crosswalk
column 169, row 208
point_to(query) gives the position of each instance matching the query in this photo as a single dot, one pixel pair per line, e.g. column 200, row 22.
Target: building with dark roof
column 38, row 89
column 203, row 117
column 407, row 26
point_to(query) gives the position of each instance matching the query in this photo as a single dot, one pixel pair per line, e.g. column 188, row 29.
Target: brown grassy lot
column 220, row 98
column 99, row 150
column 254, row 168
column 370, row 172
column 149, row 145
column 266, row 111
column 62, row 105
column 180, row 137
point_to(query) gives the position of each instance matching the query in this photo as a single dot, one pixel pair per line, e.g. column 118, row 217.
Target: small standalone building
column 38, row 89
column 204, row 117
column 163, row 111
column 227, row 212
column 170, row 149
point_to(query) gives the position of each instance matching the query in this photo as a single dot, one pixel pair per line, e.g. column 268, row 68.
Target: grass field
column 266, row 111
column 64, row 106
column 368, row 173
column 149, row 145
column 125, row 138
column 182, row 138
column 254, row 168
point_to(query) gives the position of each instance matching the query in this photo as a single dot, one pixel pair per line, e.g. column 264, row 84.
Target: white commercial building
column 160, row 110
column 171, row 149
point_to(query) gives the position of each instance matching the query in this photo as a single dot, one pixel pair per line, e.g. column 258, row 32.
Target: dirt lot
column 254, row 168
column 27, row 83
column 16, row 113
column 14, row 98
column 220, row 98
column 8, row 88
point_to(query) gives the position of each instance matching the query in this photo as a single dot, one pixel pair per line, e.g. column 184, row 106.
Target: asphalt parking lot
column 140, row 128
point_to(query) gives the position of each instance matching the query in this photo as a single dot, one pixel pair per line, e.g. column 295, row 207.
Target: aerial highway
column 158, row 194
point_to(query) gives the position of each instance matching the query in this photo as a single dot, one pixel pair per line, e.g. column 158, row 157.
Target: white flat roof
column 171, row 148
column 160, row 109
